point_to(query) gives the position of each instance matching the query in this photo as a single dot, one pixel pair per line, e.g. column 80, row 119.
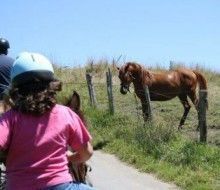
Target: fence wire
column 169, row 112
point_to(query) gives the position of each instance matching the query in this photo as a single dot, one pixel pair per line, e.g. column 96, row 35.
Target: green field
column 157, row 147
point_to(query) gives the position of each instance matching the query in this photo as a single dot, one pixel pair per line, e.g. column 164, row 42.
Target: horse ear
column 75, row 102
column 127, row 65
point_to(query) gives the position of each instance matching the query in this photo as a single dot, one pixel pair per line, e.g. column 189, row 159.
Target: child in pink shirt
column 37, row 131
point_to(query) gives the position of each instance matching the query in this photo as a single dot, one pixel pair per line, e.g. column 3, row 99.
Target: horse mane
column 146, row 77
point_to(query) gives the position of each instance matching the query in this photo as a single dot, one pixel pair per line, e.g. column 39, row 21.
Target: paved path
column 108, row 173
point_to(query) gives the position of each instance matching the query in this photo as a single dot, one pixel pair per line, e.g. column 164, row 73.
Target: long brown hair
column 35, row 98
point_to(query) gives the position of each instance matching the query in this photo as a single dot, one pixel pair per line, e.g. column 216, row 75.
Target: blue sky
column 151, row 32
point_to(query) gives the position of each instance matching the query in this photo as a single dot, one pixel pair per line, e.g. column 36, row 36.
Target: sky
column 150, row 32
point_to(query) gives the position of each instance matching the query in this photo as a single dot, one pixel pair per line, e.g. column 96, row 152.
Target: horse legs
column 186, row 105
column 195, row 101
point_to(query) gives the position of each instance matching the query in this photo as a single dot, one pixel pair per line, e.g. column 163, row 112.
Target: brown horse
column 162, row 86
column 78, row 171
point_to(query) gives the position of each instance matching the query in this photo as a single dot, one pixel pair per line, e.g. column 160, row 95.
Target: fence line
column 147, row 109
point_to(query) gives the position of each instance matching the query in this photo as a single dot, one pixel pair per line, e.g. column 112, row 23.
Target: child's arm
column 81, row 155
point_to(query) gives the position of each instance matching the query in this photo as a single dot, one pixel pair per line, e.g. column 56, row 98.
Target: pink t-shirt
column 37, row 146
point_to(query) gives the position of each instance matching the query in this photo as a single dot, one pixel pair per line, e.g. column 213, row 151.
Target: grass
column 157, row 147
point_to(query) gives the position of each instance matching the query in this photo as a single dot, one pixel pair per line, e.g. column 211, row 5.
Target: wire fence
column 169, row 112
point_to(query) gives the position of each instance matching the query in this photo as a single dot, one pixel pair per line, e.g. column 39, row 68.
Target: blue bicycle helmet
column 31, row 67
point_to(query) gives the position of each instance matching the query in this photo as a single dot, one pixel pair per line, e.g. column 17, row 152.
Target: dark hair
column 35, row 98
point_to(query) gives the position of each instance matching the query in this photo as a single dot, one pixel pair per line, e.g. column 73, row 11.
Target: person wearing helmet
column 6, row 63
column 36, row 130
column 4, row 46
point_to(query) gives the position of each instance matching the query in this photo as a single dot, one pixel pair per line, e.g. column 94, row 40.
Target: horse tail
column 202, row 82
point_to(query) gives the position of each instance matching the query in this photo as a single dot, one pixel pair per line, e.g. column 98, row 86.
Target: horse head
column 79, row 171
column 129, row 73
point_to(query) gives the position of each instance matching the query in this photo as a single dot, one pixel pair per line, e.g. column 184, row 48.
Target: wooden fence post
column 109, row 91
column 148, row 104
column 202, row 106
column 93, row 101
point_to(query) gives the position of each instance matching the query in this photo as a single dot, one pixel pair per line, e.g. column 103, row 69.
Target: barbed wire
column 102, row 100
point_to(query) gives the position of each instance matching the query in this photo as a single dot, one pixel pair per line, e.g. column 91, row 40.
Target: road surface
column 109, row 173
